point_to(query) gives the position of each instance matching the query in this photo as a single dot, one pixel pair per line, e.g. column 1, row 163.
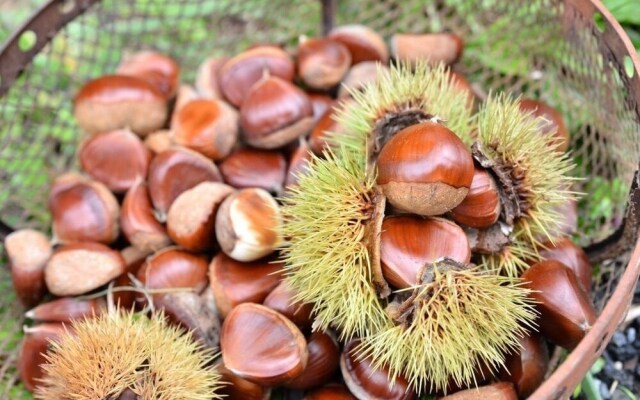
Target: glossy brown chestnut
column 433, row 48
column 158, row 69
column 367, row 383
column 66, row 309
column 240, row 73
column 407, row 243
column 234, row 282
column 326, row 126
column 495, row 391
column 332, row 391
column 117, row 158
column 207, row 78
column 116, row 102
column 571, row 255
column 322, row 63
column 526, row 367
column 298, row 161
column 208, row 126
column 28, row 252
column 481, row 207
column 262, row 345
column 361, row 75
column 78, row 268
column 34, row 345
column 247, row 168
column 324, row 358
column 83, row 210
column 363, row 43
column 425, row 169
column 320, row 104
column 191, row 221
column 174, row 171
column 174, row 268
column 238, row 388
column 566, row 311
column 134, row 259
column 159, row 141
column 275, row 113
column 138, row 221
column 551, row 122
column 282, row 300
column 247, row 223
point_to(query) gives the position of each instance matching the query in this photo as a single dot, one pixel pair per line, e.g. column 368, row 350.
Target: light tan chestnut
column 324, row 358
column 208, row 126
column 368, row 383
column 158, row 69
column 361, row 75
column 239, row 388
column 322, row 63
column 234, row 282
column 138, row 221
column 433, row 48
column 35, row 345
column 481, row 207
column 174, row 268
column 247, row 223
column 282, row 300
column 83, row 210
column 495, row 391
column 159, row 141
column 116, row 102
column 240, row 73
column 363, row 43
column 117, row 158
column 261, row 345
column 191, row 221
column 275, row 113
column 81, row 267
column 66, row 309
column 207, row 78
column 425, row 169
column 174, row 171
column 247, row 167
column 28, row 252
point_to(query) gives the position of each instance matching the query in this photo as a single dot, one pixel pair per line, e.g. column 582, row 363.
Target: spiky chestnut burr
column 122, row 352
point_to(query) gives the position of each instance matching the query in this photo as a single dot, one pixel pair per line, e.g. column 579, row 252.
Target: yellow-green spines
column 463, row 319
column 512, row 137
column 102, row 357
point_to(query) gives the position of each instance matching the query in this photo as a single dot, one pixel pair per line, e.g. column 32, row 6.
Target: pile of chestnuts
column 178, row 208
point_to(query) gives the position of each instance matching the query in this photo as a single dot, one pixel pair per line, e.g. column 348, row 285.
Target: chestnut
column 185, row 95
column 526, row 367
column 361, row 75
column 495, row 391
column 247, row 223
column 174, row 171
column 138, row 221
column 159, row 141
column 481, row 207
column 191, row 221
column 158, row 69
column 116, row 102
column 332, row 391
column 262, row 346
column 28, row 252
column 207, row 77
column 67, row 309
column 238, row 388
column 571, row 255
column 461, row 84
column 174, row 268
column 324, row 357
column 207, row 126
column 298, row 161
column 408, row 243
column 81, row 267
column 274, row 113
column 433, row 48
column 247, row 168
column 237, row 76
column 566, row 311
column 117, row 159
column 282, row 299
column 234, row 282
column 367, row 382
column 83, row 210
column 551, row 122
column 322, row 63
column 363, row 43
column 425, row 169
column 320, row 103
column 33, row 348
column 327, row 125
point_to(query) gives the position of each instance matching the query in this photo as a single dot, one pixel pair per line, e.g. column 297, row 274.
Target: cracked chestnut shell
column 425, row 169
column 566, row 311
column 481, row 207
column 262, row 346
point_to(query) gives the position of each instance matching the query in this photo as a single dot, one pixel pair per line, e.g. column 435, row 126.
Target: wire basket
column 571, row 54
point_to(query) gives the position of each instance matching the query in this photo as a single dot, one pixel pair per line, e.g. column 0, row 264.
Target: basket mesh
column 543, row 49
